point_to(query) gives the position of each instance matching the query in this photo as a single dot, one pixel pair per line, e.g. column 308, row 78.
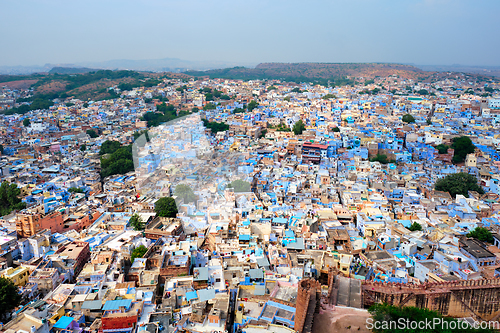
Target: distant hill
column 480, row 70
column 301, row 72
column 71, row 70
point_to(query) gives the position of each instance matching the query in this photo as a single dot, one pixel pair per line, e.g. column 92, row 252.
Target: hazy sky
column 445, row 32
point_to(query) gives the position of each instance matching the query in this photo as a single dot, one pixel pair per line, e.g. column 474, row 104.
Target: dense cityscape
column 183, row 203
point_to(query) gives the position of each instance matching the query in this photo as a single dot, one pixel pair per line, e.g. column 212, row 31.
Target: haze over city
column 425, row 32
column 249, row 166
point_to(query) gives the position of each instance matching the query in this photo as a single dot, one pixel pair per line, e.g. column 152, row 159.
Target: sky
column 424, row 32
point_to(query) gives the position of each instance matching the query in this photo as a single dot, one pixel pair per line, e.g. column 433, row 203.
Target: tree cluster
column 9, row 198
column 185, row 192
column 458, row 183
column 92, row 133
column 136, row 222
column 166, row 207
column 381, row 158
column 442, row 149
column 299, row 127
column 215, row 127
column 384, row 314
column 462, row 145
column 138, row 252
column 408, row 118
column 483, row 234
column 239, row 186
column 75, row 190
column 9, row 297
column 118, row 159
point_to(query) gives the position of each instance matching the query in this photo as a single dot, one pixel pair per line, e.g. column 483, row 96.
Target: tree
column 120, row 160
column 415, row 227
column 1, row 149
column 336, row 129
column 462, row 145
column 136, row 222
column 381, row 158
column 26, row 122
column 483, row 234
column 138, row 252
column 329, row 96
column 83, row 147
column 287, row 98
column 408, row 118
column 9, row 297
column 391, row 315
column 442, row 149
column 138, row 134
column 9, row 198
column 458, row 183
column 92, row 133
column 215, row 127
column 185, row 193
column 209, row 106
column 299, row 127
column 239, row 186
column 166, row 207
column 252, row 105
column 109, row 147
column 85, row 105
column 75, row 190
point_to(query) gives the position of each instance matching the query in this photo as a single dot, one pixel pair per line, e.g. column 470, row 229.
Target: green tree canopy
column 139, row 133
column 336, row 129
column 9, row 198
column 458, row 183
column 109, row 147
column 482, row 234
column 26, row 122
column 209, row 106
column 239, row 186
column 136, row 222
column 166, row 207
column 415, row 227
column 408, row 118
column 299, row 127
column 329, row 96
column 442, row 149
column 83, row 147
column 384, row 314
column 252, row 105
column 92, row 133
column 462, row 145
column 138, row 252
column 381, row 158
column 9, row 297
column 119, row 162
column 215, row 127
column 185, row 193
column 75, row 190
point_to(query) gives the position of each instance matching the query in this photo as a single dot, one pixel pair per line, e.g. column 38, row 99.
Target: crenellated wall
column 476, row 298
